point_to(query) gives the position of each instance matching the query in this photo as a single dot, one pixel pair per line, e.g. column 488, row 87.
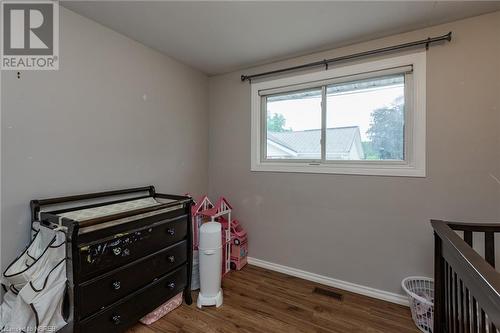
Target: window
column 294, row 125
column 362, row 119
column 365, row 119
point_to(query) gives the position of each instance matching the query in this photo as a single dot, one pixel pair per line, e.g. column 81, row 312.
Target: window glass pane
column 293, row 122
column 365, row 119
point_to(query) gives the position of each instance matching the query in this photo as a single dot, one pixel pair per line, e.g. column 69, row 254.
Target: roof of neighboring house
column 338, row 140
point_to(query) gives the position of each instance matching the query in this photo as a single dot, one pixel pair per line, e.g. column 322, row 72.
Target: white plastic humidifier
column 210, row 256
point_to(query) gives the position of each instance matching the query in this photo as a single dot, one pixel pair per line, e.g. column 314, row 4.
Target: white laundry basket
column 420, row 292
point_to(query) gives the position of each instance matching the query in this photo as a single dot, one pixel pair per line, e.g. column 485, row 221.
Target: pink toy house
column 239, row 246
column 202, row 205
column 239, row 255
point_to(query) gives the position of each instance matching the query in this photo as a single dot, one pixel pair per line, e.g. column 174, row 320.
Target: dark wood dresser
column 128, row 252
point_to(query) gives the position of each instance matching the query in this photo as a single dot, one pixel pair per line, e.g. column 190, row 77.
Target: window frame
column 415, row 120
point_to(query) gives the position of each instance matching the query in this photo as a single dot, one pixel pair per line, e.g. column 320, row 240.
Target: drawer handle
column 117, row 251
column 116, row 285
column 116, row 319
column 171, row 285
column 171, row 231
column 171, row 259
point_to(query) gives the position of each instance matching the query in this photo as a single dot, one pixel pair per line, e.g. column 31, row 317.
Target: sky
column 343, row 109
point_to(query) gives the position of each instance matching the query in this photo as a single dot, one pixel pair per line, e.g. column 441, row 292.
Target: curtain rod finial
column 243, row 78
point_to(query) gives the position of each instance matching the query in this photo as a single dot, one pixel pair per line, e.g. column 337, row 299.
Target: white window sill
column 372, row 169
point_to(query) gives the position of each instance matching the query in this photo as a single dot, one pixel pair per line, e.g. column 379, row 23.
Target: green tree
column 276, row 123
column 386, row 131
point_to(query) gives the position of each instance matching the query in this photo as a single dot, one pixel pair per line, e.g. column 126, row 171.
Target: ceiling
column 218, row 37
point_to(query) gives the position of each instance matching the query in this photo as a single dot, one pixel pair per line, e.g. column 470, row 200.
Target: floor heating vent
column 329, row 293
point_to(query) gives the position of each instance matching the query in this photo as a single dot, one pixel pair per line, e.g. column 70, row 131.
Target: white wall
column 372, row 230
column 88, row 127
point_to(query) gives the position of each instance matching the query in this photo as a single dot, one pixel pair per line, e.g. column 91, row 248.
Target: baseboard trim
column 331, row 282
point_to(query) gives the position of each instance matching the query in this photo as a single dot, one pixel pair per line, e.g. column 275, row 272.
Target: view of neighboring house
column 342, row 143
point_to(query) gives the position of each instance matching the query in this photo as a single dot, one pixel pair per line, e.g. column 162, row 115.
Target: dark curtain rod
column 427, row 42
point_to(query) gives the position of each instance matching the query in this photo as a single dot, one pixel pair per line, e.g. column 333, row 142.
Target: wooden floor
column 258, row 300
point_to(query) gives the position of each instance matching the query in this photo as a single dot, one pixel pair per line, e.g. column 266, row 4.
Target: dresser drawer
column 109, row 288
column 125, row 313
column 106, row 254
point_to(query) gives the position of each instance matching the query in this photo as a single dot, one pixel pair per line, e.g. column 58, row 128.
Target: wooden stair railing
column 466, row 286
